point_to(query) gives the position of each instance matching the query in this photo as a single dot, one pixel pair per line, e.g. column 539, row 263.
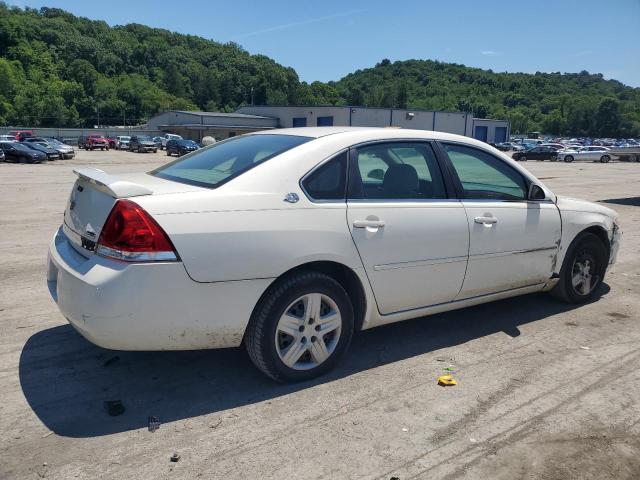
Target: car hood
column 577, row 205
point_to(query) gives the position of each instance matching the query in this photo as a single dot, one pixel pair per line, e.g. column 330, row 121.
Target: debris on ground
column 585, row 348
column 405, row 429
column 154, row 424
column 446, row 381
column 111, row 361
column 114, row 407
column 175, row 457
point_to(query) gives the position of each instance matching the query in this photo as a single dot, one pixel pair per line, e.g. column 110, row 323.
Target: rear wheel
column 301, row 327
column 523, row 158
column 583, row 270
column 605, row 159
column 568, row 159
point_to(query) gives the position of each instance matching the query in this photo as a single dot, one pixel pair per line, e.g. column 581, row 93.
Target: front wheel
column 583, row 270
column 300, row 328
column 605, row 159
column 568, row 159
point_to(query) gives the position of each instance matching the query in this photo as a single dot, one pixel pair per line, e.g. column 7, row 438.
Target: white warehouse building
column 196, row 125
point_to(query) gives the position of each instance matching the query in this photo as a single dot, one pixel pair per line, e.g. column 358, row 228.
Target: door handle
column 486, row 220
column 368, row 223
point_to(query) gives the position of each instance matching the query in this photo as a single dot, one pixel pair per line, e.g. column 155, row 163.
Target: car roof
column 368, row 133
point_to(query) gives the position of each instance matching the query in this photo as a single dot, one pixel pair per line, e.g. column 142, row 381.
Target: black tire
column 586, row 246
column 568, row 158
column 605, row 159
column 260, row 337
column 168, row 153
column 554, row 158
column 523, row 158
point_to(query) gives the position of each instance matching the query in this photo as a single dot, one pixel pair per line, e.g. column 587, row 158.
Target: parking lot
column 546, row 390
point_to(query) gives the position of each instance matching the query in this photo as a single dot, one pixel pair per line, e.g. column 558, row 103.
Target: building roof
column 219, row 114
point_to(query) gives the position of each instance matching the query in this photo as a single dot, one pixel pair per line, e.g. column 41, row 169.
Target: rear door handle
column 368, row 223
column 486, row 220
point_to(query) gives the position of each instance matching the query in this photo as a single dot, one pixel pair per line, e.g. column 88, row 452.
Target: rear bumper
column 152, row 306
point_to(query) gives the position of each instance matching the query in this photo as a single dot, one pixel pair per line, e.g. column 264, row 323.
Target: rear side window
column 395, row 171
column 214, row 165
column 329, row 181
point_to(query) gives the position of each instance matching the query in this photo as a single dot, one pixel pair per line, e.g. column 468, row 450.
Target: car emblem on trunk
column 72, row 205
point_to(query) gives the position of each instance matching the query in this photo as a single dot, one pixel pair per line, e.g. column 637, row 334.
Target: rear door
column 513, row 241
column 413, row 238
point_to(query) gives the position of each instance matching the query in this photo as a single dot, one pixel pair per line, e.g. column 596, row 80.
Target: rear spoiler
column 110, row 184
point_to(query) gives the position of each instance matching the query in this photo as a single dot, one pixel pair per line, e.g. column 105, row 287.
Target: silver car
column 595, row 154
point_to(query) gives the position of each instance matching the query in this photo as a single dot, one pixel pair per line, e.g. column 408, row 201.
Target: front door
column 413, row 240
column 513, row 241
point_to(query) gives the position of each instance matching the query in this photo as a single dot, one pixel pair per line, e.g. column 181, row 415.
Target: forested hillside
column 57, row 69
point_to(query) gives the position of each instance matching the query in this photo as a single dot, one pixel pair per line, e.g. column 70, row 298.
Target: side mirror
column 536, row 192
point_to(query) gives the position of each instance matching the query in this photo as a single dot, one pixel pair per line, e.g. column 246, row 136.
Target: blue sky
column 326, row 40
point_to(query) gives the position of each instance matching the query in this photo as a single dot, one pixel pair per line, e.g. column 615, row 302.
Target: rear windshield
column 220, row 162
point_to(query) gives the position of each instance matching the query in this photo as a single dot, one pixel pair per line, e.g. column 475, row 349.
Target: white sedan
column 289, row 241
column 594, row 154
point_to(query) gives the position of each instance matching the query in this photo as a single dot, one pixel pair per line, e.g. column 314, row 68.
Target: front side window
column 483, row 176
column 211, row 166
column 329, row 181
column 396, row 170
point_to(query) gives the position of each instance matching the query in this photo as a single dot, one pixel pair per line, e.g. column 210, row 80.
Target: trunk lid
column 94, row 194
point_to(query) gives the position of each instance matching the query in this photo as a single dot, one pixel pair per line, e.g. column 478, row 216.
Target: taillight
column 132, row 235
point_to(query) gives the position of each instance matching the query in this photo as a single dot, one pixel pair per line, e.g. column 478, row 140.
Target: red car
column 21, row 134
column 94, row 141
column 113, row 141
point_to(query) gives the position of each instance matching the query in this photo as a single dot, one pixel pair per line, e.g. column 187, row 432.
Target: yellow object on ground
column 446, row 381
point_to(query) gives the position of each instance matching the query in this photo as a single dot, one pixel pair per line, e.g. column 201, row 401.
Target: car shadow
column 631, row 201
column 67, row 380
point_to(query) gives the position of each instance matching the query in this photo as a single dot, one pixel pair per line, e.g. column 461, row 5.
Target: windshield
column 144, row 138
column 219, row 163
column 125, row 139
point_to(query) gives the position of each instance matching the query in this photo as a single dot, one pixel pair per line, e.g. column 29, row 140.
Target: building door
column 501, row 135
column 299, row 122
column 325, row 121
column 481, row 133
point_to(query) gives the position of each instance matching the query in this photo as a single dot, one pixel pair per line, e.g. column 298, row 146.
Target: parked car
column 7, row 138
column 51, row 153
column 92, row 142
column 181, row 147
column 112, row 141
column 536, row 153
column 65, row 151
column 246, row 242
column 158, row 141
column 168, row 136
column 20, row 135
column 2, row 159
column 122, row 142
column 21, row 153
column 142, row 143
column 595, row 154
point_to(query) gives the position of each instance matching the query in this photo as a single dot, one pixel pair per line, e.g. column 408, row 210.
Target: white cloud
column 490, row 52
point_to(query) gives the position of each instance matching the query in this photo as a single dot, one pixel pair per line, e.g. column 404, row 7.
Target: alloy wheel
column 584, row 278
column 308, row 331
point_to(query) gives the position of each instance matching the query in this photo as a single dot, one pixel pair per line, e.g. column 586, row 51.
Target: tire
column 554, row 158
column 155, row 150
column 523, row 158
column 139, row 149
column 568, row 158
column 168, row 153
column 266, row 342
column 605, row 159
column 588, row 249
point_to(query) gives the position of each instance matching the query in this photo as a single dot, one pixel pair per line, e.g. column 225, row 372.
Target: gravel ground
column 545, row 390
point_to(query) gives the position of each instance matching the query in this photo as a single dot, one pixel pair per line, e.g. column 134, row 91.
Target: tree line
column 60, row 70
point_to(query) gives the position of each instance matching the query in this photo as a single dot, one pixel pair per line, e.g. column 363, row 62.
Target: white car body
column 122, row 142
column 594, row 154
column 236, row 240
column 169, row 136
